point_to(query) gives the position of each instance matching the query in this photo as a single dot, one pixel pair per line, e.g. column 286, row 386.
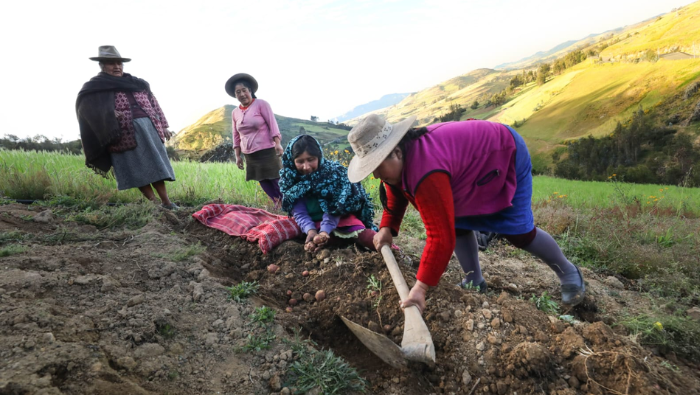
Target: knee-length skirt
column 262, row 165
column 145, row 164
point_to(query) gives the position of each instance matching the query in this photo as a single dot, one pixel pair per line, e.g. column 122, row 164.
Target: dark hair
column 308, row 144
column 245, row 83
column 412, row 135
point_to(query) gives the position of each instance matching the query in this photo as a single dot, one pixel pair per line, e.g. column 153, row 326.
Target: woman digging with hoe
column 461, row 177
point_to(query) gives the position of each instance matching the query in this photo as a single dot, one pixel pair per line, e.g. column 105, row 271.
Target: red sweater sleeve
column 436, row 207
column 397, row 203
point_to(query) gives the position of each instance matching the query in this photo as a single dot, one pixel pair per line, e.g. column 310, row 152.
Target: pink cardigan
column 255, row 127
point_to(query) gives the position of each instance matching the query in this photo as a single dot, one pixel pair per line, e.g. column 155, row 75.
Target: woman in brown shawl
column 123, row 127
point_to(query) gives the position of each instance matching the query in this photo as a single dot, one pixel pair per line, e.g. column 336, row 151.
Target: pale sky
column 310, row 57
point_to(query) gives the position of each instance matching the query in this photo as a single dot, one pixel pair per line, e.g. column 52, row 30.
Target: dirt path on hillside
column 84, row 311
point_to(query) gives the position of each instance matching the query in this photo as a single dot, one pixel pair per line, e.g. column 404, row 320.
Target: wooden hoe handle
column 417, row 344
column 395, row 272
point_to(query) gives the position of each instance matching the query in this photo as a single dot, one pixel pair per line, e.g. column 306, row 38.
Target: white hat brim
column 360, row 168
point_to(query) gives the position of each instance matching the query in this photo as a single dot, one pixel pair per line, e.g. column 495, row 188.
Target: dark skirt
column 262, row 165
column 145, row 164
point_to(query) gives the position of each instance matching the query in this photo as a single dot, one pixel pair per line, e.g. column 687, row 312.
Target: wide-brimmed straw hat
column 373, row 139
column 109, row 52
column 231, row 83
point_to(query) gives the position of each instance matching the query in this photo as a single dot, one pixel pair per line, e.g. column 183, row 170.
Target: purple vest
column 479, row 157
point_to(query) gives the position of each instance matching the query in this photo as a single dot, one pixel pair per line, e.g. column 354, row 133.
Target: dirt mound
column 496, row 343
column 86, row 311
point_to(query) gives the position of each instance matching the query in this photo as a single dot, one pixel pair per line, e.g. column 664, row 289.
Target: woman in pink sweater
column 256, row 135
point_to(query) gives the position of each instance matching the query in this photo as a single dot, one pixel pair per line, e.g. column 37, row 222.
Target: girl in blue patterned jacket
column 323, row 202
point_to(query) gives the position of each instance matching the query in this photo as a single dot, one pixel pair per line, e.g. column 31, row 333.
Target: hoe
column 417, row 344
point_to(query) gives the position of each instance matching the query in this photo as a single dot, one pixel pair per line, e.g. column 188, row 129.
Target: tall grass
column 40, row 175
column 598, row 195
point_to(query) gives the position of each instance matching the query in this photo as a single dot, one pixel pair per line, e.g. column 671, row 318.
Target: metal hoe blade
column 380, row 345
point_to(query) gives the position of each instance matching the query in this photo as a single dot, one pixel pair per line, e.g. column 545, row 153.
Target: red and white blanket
column 252, row 224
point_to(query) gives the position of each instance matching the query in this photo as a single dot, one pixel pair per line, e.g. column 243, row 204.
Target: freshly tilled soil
column 84, row 311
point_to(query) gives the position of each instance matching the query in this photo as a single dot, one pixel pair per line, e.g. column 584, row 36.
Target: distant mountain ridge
column 384, row 101
column 539, row 55
column 567, row 46
column 557, row 51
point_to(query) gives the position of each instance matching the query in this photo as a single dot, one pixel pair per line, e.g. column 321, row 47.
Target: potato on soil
column 308, row 297
column 305, row 273
column 320, row 295
column 292, row 302
column 273, row 268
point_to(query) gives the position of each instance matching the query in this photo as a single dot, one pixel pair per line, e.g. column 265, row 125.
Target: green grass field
column 38, row 175
column 592, row 194
column 32, row 175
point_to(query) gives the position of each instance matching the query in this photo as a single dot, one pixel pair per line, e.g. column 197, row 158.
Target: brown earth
column 84, row 311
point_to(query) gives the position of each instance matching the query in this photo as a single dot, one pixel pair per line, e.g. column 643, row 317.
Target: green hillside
column 435, row 101
column 214, row 128
column 678, row 30
column 591, row 99
column 619, row 73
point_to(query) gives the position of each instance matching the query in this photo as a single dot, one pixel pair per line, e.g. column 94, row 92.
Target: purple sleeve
column 302, row 217
column 329, row 223
column 269, row 117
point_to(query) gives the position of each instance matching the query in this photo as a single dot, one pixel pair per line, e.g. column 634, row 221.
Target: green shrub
column 131, row 216
column 70, row 202
column 263, row 315
column 242, row 290
column 183, row 253
column 12, row 235
column 259, row 342
column 675, row 332
column 22, row 184
column 12, row 249
column 321, row 369
column 545, row 303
